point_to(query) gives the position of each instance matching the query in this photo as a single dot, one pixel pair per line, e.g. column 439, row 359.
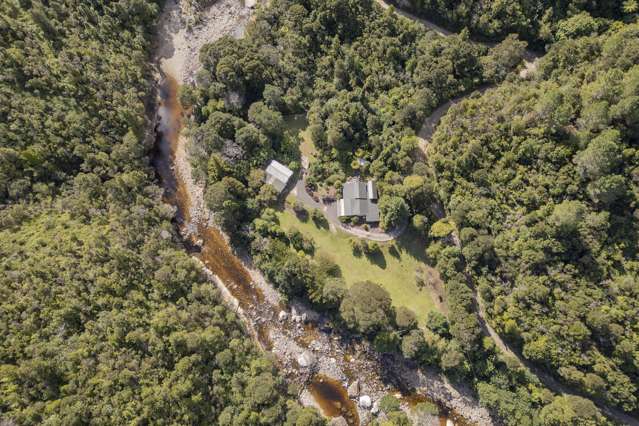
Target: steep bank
column 302, row 340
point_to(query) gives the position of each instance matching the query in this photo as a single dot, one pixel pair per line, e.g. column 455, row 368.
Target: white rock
column 304, row 317
column 449, row 422
column 365, row 402
column 306, row 359
column 375, row 408
column 250, row 3
column 283, row 316
column 165, row 234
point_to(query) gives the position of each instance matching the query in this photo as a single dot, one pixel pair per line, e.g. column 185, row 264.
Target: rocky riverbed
column 311, row 353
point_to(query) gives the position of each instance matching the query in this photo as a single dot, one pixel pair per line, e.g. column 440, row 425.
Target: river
column 209, row 246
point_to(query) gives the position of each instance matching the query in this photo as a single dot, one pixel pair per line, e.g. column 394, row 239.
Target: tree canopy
column 544, row 171
column 105, row 318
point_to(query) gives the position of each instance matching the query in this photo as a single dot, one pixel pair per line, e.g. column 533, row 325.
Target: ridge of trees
column 541, row 22
column 538, row 178
column 105, row 319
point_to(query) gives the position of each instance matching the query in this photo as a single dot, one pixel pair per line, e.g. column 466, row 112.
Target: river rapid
column 309, row 351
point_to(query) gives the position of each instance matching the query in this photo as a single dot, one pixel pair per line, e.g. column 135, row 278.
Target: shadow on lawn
column 377, row 258
column 411, row 243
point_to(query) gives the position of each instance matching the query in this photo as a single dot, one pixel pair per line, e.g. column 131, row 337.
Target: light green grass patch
column 297, row 124
column 394, row 269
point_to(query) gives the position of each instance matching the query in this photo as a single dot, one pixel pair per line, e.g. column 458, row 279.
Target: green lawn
column 394, row 269
column 297, row 124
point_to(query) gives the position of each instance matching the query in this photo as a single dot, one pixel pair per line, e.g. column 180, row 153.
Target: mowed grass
column 394, row 269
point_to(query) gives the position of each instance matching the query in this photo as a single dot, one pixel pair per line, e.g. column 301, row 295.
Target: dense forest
column 365, row 79
column 103, row 317
column 540, row 22
column 540, row 180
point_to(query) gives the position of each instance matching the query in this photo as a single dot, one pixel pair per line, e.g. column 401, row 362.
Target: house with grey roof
column 359, row 199
column 278, row 175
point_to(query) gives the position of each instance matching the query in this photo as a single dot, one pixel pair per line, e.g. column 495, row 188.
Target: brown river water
column 213, row 250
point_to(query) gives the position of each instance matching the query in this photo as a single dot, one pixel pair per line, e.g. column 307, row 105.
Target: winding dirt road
column 531, row 60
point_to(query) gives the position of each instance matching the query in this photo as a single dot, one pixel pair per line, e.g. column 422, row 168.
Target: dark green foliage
column 503, row 58
column 388, row 404
column 386, row 342
column 405, row 319
column 105, row 319
column 437, row 323
column 70, row 92
column 571, row 410
column 427, row 408
column 367, row 308
column 318, row 218
column 303, row 416
column 413, row 344
column 540, row 21
column 543, row 171
column 393, row 210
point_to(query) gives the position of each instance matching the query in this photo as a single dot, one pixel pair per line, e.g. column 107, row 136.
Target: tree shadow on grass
column 392, row 250
column 413, row 245
column 302, row 215
column 377, row 258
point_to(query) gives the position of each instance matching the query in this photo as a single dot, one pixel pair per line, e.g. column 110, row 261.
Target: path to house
column 331, row 214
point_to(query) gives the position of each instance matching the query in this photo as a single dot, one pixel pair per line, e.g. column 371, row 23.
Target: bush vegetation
column 105, row 319
column 539, row 180
column 539, row 21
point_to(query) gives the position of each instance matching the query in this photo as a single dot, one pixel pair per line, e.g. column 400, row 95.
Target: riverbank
column 303, row 341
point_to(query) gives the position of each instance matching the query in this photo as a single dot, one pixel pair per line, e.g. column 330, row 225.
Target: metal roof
column 278, row 175
column 354, row 189
column 359, row 200
column 371, row 188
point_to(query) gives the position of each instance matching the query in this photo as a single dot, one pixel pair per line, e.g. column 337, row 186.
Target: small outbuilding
column 278, row 175
column 359, row 199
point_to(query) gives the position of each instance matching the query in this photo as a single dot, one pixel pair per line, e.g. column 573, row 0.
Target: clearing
column 297, row 124
column 393, row 268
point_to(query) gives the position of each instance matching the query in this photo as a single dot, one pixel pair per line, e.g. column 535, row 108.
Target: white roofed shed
column 278, row 175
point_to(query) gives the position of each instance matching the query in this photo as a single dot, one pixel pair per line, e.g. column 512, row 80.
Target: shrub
column 359, row 246
column 367, row 308
column 370, row 248
column 388, row 404
column 300, row 210
column 427, row 408
column 318, row 218
column 405, row 318
column 442, row 228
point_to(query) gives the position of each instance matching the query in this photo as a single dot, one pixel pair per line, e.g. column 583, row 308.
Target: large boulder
column 375, row 408
column 306, row 359
column 365, row 402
